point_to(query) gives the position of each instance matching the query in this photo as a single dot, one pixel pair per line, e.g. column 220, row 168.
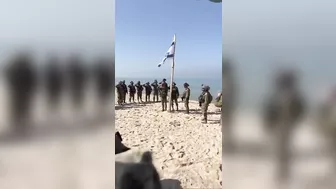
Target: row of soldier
column 162, row 89
column 22, row 80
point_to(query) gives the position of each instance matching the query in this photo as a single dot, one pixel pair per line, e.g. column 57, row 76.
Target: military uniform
column 175, row 95
column 120, row 93
column 54, row 82
column 139, row 88
column 132, row 91
column 155, row 91
column 148, row 91
column 284, row 109
column 205, row 103
column 124, row 86
column 186, row 96
column 326, row 120
column 22, row 81
column 164, row 94
column 104, row 77
column 77, row 75
column 228, row 101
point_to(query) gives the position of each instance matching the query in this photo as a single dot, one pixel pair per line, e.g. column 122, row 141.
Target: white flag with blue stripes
column 170, row 53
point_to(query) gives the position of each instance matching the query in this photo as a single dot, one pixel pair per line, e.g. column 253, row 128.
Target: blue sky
column 145, row 29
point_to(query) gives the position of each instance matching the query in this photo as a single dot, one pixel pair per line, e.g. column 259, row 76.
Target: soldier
column 125, row 91
column 283, row 110
column 175, row 95
column 139, row 88
column 156, row 90
column 54, row 82
column 219, row 104
column 21, row 79
column 185, row 97
column 103, row 77
column 164, row 94
column 326, row 120
column 120, row 93
column 148, row 91
column 205, row 100
column 201, row 96
column 228, row 104
column 132, row 91
column 77, row 79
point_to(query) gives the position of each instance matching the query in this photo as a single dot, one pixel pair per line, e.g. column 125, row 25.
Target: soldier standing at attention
column 164, row 94
column 185, row 97
column 124, row 86
column 175, row 95
column 22, row 80
column 284, row 109
column 103, row 75
column 139, row 91
column 53, row 81
column 132, row 91
column 156, row 90
column 148, row 91
column 206, row 100
column 201, row 96
column 228, row 103
column 120, row 92
column 77, row 79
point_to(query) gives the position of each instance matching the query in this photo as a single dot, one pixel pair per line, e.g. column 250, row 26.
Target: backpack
column 210, row 97
column 218, row 102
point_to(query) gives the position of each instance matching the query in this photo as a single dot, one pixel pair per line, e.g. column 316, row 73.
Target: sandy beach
column 184, row 149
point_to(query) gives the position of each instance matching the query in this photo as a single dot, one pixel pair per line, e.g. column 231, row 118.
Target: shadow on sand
column 171, row 184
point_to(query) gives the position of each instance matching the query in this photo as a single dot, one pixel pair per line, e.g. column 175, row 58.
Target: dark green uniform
column 205, row 103
column 125, row 91
column 132, row 91
column 155, row 91
column 22, row 81
column 139, row 88
column 186, row 96
column 120, row 93
column 284, row 109
column 148, row 91
column 326, row 119
column 175, row 95
column 164, row 94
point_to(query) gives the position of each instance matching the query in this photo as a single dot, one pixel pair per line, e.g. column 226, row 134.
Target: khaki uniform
column 175, row 95
column 205, row 106
column 155, row 92
column 164, row 94
column 186, row 101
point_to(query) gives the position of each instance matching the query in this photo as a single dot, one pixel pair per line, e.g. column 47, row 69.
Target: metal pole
column 172, row 77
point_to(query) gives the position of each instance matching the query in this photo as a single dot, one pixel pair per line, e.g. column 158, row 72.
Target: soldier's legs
column 162, row 104
column 205, row 113
column 140, row 97
column 227, row 131
column 125, row 94
column 186, row 105
column 283, row 155
column 20, row 108
column 165, row 104
column 176, row 103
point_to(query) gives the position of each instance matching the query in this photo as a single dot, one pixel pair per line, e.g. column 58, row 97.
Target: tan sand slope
column 184, row 149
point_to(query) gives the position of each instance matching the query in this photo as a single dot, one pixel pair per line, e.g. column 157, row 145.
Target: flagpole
column 172, row 77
